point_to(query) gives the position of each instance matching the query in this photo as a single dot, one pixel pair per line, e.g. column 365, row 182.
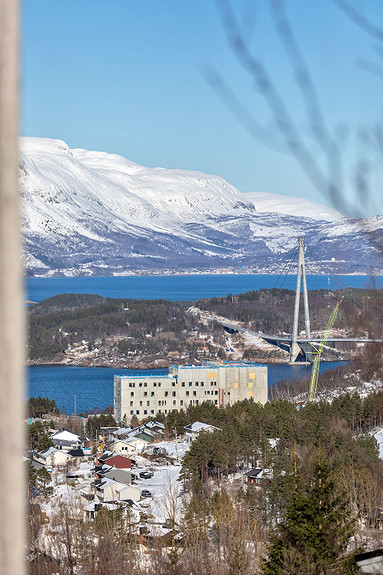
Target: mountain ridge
column 95, row 213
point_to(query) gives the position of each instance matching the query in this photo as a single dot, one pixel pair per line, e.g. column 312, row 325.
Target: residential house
column 110, row 491
column 194, row 429
column 53, row 457
column 66, row 440
column 254, row 475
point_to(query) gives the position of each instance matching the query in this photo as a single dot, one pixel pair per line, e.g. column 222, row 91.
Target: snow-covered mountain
column 98, row 213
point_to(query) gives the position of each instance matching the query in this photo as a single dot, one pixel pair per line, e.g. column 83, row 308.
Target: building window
column 145, row 384
column 140, row 403
column 159, row 384
column 181, row 402
column 140, row 384
column 152, row 394
column 148, row 403
column 154, row 384
column 131, row 403
column 196, row 383
column 145, row 394
column 131, row 412
column 187, row 393
column 183, row 384
column 132, row 394
column 152, row 411
column 137, row 411
column 250, row 394
column 216, row 391
column 194, row 393
column 216, row 402
column 236, row 385
column 202, row 384
column 211, row 383
column 190, row 383
column 145, row 412
column 174, row 401
column 173, row 383
column 196, row 401
column 166, row 393
column 174, row 394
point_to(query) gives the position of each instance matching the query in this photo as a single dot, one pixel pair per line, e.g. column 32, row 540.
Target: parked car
column 145, row 493
column 146, row 474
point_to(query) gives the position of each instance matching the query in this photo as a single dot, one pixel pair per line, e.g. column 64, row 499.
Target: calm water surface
column 176, row 288
column 93, row 386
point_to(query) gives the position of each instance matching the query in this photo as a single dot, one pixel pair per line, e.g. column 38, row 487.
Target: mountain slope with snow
column 98, row 213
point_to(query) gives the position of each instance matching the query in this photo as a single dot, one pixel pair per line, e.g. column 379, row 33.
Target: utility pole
column 301, row 278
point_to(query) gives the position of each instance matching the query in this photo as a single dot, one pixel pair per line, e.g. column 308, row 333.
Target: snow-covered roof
column 65, row 435
column 198, row 426
column 49, row 451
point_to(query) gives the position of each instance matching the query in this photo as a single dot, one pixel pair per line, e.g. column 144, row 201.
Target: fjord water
column 92, row 387
column 184, row 287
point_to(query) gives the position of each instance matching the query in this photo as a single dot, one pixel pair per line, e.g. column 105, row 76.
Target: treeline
column 67, row 319
column 271, row 310
column 39, row 406
column 322, row 482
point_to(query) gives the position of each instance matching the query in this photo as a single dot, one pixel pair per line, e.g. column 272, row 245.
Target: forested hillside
column 92, row 330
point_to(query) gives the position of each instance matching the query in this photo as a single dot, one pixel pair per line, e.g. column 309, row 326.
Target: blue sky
column 131, row 77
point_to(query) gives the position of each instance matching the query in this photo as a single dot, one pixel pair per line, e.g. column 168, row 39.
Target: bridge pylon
column 295, row 349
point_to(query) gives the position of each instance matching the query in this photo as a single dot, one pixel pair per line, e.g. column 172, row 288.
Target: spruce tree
column 317, row 526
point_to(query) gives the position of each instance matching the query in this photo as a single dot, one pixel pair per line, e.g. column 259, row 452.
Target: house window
column 183, row 384
column 145, row 384
column 152, row 394
column 152, row 411
column 148, row 403
column 131, row 403
column 202, row 384
column 190, row 383
column 194, row 393
column 132, row 394
column 196, row 383
column 145, row 412
column 216, row 391
column 159, row 384
column 181, row 402
column 131, row 412
column 137, row 412
column 154, row 384
column 216, row 402
column 140, row 403
column 173, row 383
column 140, row 384
column 174, row 402
column 187, row 393
column 166, row 393
column 174, row 394
column 145, row 394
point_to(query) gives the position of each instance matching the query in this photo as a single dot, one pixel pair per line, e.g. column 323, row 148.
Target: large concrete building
column 218, row 383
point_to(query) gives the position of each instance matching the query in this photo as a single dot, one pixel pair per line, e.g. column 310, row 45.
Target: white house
column 53, row 457
column 110, row 491
column 66, row 440
column 128, row 446
column 194, row 429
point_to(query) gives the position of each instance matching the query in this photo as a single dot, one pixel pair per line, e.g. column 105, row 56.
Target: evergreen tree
column 317, row 526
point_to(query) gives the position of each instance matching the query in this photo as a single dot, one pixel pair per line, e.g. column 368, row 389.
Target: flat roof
column 146, row 376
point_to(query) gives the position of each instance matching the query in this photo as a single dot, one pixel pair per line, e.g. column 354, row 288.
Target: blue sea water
column 92, row 387
column 183, row 287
